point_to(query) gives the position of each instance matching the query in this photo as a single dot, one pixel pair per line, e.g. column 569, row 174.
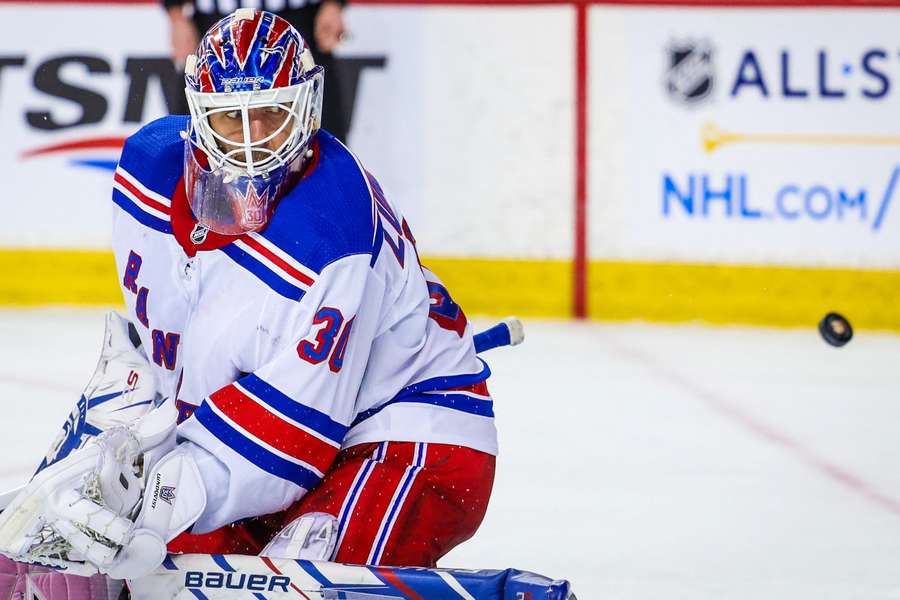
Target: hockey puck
column 835, row 329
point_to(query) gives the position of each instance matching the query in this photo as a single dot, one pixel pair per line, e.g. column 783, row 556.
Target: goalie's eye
column 273, row 109
column 233, row 114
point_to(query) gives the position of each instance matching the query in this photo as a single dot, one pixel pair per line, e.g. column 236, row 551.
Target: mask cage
column 302, row 108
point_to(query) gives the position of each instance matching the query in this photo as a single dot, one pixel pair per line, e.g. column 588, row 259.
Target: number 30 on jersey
column 330, row 339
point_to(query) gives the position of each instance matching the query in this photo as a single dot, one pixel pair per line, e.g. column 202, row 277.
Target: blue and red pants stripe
column 397, row 504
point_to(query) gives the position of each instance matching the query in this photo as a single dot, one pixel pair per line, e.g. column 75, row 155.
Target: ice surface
column 638, row 461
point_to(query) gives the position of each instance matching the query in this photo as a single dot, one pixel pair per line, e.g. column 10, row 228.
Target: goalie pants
column 396, row 503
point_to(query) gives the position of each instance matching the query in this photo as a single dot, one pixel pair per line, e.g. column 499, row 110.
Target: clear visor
column 227, row 200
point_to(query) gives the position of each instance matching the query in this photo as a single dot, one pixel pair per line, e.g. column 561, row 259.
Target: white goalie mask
column 255, row 98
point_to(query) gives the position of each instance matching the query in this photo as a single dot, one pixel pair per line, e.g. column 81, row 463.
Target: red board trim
column 687, row 3
column 579, row 264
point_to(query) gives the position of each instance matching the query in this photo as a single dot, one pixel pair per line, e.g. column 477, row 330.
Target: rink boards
column 736, row 164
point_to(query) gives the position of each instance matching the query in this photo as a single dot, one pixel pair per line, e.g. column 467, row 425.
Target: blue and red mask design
column 257, row 52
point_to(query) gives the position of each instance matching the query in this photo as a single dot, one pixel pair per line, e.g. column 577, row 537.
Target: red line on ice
column 830, row 470
column 38, row 383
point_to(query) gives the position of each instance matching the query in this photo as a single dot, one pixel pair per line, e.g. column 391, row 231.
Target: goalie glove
column 121, row 391
column 174, row 499
column 110, row 506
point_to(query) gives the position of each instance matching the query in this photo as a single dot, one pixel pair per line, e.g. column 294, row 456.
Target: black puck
column 835, row 329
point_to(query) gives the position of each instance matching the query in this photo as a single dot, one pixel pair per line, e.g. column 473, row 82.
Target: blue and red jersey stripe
column 273, row 429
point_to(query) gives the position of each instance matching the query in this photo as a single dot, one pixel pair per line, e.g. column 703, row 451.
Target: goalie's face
column 265, row 132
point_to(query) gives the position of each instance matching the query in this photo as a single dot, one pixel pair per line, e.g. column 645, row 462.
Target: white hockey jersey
column 282, row 347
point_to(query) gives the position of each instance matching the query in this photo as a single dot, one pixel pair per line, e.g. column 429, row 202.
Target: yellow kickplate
column 36, row 277
column 617, row 290
column 753, row 295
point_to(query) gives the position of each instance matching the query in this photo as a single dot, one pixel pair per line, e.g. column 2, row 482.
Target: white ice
column 638, row 461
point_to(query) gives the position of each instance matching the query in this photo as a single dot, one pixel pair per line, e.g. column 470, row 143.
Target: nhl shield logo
column 689, row 73
column 198, row 234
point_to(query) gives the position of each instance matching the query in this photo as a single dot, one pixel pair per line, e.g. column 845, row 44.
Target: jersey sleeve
column 263, row 441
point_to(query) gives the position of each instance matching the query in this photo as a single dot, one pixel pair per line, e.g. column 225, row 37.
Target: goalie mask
column 255, row 96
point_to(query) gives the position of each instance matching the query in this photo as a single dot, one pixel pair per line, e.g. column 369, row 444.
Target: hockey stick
column 217, row 577
column 508, row 332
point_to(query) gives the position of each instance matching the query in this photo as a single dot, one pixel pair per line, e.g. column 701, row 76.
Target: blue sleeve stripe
column 198, row 594
column 307, row 416
column 253, row 452
column 416, row 393
column 139, row 215
column 436, row 384
column 460, row 402
column 263, row 273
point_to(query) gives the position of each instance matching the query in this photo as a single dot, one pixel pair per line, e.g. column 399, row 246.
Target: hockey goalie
column 290, row 381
